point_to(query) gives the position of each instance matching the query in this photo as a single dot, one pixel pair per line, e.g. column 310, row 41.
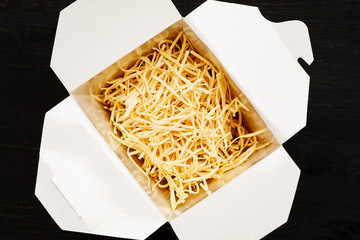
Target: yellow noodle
column 174, row 111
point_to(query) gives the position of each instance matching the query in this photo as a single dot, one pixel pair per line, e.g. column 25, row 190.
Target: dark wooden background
column 327, row 150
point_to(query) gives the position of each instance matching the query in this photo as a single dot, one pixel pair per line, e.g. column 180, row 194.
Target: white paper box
column 81, row 181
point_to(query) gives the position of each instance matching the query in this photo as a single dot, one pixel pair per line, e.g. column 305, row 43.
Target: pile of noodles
column 174, row 111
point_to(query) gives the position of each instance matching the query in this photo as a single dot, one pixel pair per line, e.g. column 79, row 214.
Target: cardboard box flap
column 55, row 203
column 261, row 57
column 249, row 207
column 82, row 182
column 93, row 34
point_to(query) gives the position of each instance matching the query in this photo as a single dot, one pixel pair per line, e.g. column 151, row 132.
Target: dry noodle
column 174, row 111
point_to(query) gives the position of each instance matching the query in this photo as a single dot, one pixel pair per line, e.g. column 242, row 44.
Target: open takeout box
column 81, row 180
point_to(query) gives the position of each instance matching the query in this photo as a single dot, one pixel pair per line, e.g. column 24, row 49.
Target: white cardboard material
column 89, row 187
column 76, row 165
column 94, row 34
column 55, row 203
column 261, row 58
column 260, row 198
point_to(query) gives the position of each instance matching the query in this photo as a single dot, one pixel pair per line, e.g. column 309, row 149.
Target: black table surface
column 327, row 151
